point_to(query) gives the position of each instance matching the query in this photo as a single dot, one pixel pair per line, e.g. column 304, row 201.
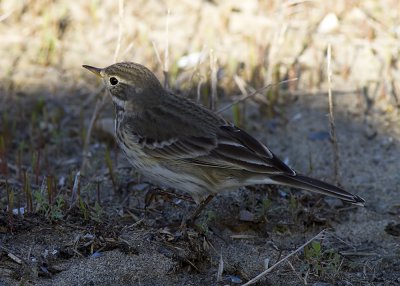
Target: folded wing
column 229, row 148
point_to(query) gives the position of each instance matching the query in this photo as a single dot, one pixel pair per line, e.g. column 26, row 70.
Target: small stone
column 246, row 216
column 233, row 279
column 329, row 24
column 322, row 284
column 333, row 202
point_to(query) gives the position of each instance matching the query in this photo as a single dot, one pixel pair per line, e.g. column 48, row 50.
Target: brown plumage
column 177, row 143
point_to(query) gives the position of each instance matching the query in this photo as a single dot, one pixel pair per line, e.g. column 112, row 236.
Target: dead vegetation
column 67, row 197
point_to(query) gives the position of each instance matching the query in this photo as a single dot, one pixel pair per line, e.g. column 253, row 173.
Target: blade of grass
column 76, row 189
column 28, row 193
column 110, row 168
column 10, row 203
column 166, row 52
column 37, row 167
column 214, row 80
column 120, row 28
column 50, row 190
column 3, row 159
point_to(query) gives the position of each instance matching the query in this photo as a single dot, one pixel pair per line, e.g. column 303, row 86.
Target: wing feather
column 230, row 148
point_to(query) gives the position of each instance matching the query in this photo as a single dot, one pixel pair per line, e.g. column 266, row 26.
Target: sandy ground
column 133, row 246
column 47, row 99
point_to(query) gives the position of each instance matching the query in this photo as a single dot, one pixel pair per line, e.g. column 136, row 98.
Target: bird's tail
column 313, row 185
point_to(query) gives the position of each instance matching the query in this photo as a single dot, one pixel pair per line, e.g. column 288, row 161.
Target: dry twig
column 332, row 129
column 166, row 52
column 262, row 274
column 245, row 97
column 101, row 102
column 220, row 268
column 214, row 80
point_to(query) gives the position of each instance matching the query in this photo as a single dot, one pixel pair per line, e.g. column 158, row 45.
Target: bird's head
column 128, row 83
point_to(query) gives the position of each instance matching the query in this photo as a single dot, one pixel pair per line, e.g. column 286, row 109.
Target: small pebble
column 96, row 254
column 233, row 279
column 333, row 202
column 318, row 135
column 246, row 216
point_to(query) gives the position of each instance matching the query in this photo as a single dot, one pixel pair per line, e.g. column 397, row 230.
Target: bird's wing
column 180, row 133
column 237, row 149
column 228, row 148
column 192, row 133
column 179, row 148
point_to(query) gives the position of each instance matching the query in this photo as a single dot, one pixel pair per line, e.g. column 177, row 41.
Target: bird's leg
column 192, row 218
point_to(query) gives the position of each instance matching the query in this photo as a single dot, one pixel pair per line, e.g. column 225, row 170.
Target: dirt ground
column 94, row 229
column 124, row 244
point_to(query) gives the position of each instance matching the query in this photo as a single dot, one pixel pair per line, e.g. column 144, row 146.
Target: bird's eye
column 113, row 80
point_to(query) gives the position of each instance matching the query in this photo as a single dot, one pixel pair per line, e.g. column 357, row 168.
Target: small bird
column 177, row 143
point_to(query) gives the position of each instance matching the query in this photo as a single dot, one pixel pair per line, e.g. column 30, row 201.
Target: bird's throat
column 118, row 103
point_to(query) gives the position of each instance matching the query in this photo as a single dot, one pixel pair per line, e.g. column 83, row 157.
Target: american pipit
column 177, row 143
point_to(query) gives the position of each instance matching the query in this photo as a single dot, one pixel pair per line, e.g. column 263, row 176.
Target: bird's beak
column 96, row 71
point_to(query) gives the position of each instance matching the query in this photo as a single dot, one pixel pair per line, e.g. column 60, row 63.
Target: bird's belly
column 138, row 159
column 197, row 182
column 170, row 178
column 161, row 173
